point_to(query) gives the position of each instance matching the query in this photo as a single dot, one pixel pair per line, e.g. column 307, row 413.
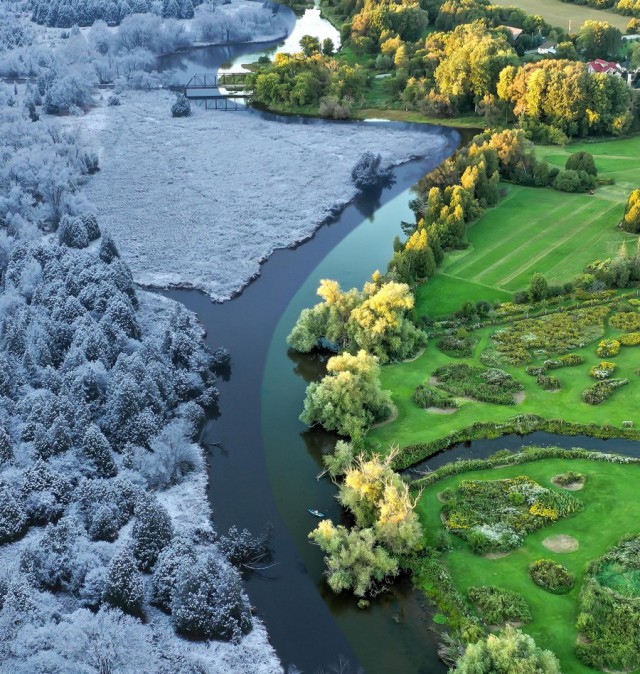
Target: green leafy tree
column 510, row 652
column 328, row 48
column 349, row 398
column 538, row 288
column 310, row 45
column 582, row 161
column 599, row 39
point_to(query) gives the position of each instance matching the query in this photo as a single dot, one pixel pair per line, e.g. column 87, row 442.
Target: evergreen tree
column 152, row 532
column 124, row 588
column 97, row 450
column 170, row 567
column 13, row 516
column 208, row 602
column 108, row 249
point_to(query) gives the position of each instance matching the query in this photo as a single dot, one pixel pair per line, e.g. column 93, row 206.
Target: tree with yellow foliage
column 387, row 528
column 376, row 319
column 631, row 219
column 349, row 398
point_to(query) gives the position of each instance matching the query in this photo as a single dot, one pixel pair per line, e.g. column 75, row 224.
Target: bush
column 497, row 606
column 629, row 321
column 601, row 391
column 488, row 385
column 367, row 174
column 551, row 576
column 181, row 106
column 456, row 347
column 608, row 348
column 630, row 339
column 548, row 382
column 603, row 370
column 113, row 100
column 428, row 396
column 570, row 477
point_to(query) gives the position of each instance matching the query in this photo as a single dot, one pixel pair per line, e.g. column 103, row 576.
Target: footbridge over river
column 206, row 90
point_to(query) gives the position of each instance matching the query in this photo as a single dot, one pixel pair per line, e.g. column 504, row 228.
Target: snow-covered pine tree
column 124, row 588
column 151, row 533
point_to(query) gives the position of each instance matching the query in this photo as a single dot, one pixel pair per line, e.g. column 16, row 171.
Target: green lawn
column 560, row 13
column 612, row 510
column 415, row 425
column 538, row 230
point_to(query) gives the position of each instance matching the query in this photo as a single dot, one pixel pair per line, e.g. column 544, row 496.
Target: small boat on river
column 315, row 513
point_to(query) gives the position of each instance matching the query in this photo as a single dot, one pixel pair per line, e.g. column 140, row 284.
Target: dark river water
column 264, row 461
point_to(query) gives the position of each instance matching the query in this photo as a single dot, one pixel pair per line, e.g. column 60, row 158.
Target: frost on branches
column 107, row 554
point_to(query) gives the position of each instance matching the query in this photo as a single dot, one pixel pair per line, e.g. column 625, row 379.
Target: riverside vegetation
column 530, row 322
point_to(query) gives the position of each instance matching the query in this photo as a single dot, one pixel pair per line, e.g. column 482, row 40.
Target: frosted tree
column 152, row 532
column 13, row 515
column 171, row 565
column 96, row 449
column 6, row 446
column 108, row 249
column 72, row 232
column 208, row 602
column 124, row 588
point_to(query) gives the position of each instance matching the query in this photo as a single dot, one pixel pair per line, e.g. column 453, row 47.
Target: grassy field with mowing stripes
column 538, row 230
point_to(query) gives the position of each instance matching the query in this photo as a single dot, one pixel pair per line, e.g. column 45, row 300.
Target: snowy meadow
column 201, row 202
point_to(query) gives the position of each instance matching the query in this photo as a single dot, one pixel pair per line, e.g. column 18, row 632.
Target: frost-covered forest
column 108, row 558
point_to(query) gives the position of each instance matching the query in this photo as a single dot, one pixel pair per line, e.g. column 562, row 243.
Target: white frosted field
column 201, row 201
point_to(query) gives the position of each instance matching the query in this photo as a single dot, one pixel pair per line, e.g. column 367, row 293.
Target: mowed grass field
column 538, row 230
column 612, row 510
column 560, row 13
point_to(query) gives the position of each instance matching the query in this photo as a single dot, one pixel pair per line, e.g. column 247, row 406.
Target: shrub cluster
column 609, row 610
column 496, row 515
column 548, row 382
column 457, row 346
column 602, row 370
column 429, row 396
column 630, row 339
column 557, row 333
column 570, row 477
column 629, row 321
column 608, row 348
column 487, row 385
column 551, row 576
column 601, row 391
column 497, row 606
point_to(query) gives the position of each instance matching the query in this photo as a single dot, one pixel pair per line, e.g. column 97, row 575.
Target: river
column 263, row 461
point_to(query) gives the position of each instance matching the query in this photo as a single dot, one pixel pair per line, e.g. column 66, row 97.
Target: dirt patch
column 442, row 410
column 572, row 486
column 388, row 420
column 519, row 397
column 433, row 381
column 561, row 543
column 496, row 555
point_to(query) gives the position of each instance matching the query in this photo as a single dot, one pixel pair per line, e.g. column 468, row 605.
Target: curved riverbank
column 308, row 626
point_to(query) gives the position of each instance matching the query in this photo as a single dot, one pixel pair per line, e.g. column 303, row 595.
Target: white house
column 547, row 47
